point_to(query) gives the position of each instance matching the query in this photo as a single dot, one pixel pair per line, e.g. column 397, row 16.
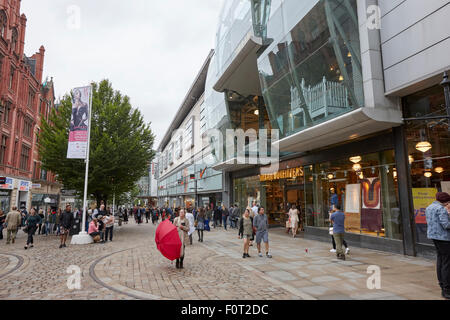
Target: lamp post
column 446, row 84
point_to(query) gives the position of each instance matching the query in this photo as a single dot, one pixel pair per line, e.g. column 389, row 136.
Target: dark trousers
column 443, row 264
column 224, row 219
column 147, row 216
column 334, row 243
column 200, row 235
column 31, row 232
column 109, row 231
column 40, row 227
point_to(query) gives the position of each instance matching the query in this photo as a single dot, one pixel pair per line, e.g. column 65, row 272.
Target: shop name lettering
column 283, row 174
column 192, row 310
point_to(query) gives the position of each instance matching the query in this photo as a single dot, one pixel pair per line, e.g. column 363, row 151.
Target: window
column 7, row 113
column 3, row 149
column 25, row 158
column 189, row 134
column 178, row 147
column 171, row 154
column 14, row 38
column 11, row 77
column 38, row 131
column 31, row 96
column 3, row 24
column 27, row 127
column 202, row 120
column 43, row 175
column 1, row 66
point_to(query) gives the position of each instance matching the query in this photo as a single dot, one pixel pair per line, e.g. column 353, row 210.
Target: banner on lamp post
column 79, row 123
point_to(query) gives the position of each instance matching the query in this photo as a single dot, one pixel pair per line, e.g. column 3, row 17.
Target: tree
column 120, row 150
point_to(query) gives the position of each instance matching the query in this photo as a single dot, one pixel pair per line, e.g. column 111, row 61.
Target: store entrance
column 295, row 195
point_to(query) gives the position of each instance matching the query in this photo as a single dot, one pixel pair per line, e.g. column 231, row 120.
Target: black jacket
column 241, row 226
column 67, row 220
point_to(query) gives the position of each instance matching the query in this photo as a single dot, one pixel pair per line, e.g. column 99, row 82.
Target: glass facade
column 429, row 152
column 311, row 71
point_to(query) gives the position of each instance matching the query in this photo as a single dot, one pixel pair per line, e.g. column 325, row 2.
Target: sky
column 150, row 50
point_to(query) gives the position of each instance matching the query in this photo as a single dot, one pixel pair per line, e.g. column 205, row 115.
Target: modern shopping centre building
column 355, row 91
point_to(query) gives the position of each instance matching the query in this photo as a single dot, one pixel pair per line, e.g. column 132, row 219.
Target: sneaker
column 260, row 255
column 268, row 255
column 347, row 251
column 333, row 250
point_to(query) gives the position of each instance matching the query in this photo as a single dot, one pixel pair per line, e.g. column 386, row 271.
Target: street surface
column 131, row 267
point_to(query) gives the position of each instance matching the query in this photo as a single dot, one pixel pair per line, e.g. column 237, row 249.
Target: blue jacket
column 438, row 222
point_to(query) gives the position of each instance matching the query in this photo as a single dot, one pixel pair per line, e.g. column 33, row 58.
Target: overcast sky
column 150, row 50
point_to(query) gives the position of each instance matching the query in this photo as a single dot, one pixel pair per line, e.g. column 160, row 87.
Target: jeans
column 31, row 231
column 224, row 219
column 1, row 232
column 443, row 264
column 109, row 231
column 233, row 223
column 11, row 235
column 339, row 237
column 200, row 235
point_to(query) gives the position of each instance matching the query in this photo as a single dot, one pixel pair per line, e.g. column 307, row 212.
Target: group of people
column 34, row 221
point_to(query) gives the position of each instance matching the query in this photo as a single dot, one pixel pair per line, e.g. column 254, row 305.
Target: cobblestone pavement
column 130, row 267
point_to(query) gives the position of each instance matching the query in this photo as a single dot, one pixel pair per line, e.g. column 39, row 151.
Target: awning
column 352, row 125
column 242, row 74
column 232, row 165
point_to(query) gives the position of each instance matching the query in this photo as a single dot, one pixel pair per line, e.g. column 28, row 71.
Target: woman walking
column 32, row 222
column 2, row 221
column 293, row 217
column 246, row 231
column 200, row 221
column 182, row 223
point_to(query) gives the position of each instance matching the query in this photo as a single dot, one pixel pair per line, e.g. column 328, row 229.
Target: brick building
column 21, row 101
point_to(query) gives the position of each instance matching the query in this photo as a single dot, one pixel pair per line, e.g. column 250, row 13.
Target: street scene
column 224, row 150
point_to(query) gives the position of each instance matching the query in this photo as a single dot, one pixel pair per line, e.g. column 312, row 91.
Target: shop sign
column 9, row 185
column 422, row 198
column 283, row 174
column 36, row 186
column 4, row 193
column 24, row 185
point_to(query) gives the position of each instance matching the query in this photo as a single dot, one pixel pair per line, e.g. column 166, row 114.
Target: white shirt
column 255, row 210
column 191, row 219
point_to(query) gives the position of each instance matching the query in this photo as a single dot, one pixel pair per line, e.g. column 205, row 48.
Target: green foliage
column 120, row 150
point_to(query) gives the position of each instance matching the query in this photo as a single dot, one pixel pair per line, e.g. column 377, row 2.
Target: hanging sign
column 79, row 124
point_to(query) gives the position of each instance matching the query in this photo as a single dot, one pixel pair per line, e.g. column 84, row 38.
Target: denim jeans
column 443, row 264
column 224, row 219
column 109, row 231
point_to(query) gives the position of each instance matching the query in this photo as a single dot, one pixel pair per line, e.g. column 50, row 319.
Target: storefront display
column 429, row 152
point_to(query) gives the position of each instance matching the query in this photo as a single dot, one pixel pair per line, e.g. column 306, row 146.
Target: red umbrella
column 168, row 241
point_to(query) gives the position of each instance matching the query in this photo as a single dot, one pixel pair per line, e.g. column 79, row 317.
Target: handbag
column 331, row 231
column 196, row 223
column 25, row 229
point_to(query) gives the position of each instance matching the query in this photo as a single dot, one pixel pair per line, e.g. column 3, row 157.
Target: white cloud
column 151, row 50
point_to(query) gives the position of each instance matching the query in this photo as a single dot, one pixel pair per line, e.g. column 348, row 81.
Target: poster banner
column 24, row 185
column 445, row 186
column 9, row 185
column 79, row 124
column 353, row 198
column 422, row 198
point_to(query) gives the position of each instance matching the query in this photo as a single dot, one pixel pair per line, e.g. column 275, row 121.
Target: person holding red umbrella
column 183, row 225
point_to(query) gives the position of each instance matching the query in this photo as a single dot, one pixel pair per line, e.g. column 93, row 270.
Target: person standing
column 182, row 223
column 58, row 222
column 293, row 218
column 66, row 222
column 125, row 216
column 109, row 226
column 13, row 222
column 200, row 221
column 191, row 219
column 246, row 231
column 24, row 215
column 438, row 223
column 255, row 209
column 2, row 221
column 338, row 220
column 42, row 216
column 225, row 215
column 32, row 222
column 147, row 214
column 261, row 223
column 51, row 221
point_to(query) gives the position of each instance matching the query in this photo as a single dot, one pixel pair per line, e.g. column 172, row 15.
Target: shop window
column 429, row 152
column 366, row 188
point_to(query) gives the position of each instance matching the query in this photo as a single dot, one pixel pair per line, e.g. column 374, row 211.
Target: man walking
column 439, row 231
column 66, row 222
column 13, row 221
column 338, row 220
column 261, row 223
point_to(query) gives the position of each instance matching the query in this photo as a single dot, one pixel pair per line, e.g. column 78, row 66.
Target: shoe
column 177, row 264
column 64, row 245
column 244, row 256
column 333, row 250
column 446, row 295
column 260, row 255
column 268, row 255
column 26, row 247
column 347, row 251
column 13, row 241
column 60, row 246
column 31, row 246
column 341, row 257
column 181, row 263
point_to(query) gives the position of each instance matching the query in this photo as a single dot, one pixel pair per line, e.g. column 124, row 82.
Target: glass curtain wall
column 312, row 71
column 429, row 152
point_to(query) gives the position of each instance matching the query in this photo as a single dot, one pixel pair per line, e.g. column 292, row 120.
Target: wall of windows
column 312, row 70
